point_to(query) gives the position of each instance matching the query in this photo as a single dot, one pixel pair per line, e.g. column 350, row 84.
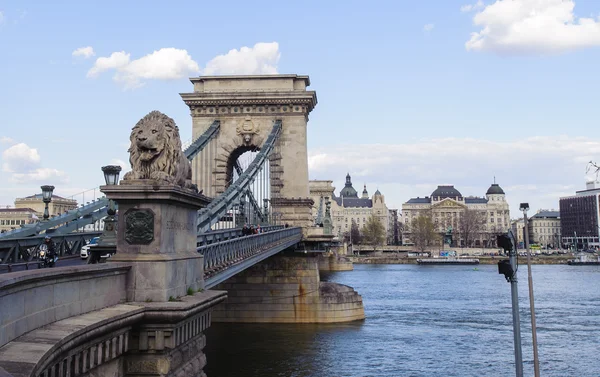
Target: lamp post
column 536, row 365
column 509, row 269
column 108, row 239
column 266, row 211
column 47, row 198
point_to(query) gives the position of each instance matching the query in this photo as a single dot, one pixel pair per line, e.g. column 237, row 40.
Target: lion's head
column 155, row 144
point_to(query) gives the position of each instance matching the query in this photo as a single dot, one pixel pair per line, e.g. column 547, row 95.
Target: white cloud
column 116, row 60
column 20, row 157
column 532, row 27
column 172, row 63
column 260, row 59
column 6, row 140
column 41, row 175
column 1, row 17
column 85, row 52
column 472, row 7
column 163, row 64
column 428, row 27
column 536, row 170
column 23, row 163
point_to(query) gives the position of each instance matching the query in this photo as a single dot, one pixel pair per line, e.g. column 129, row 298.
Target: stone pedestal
column 156, row 233
column 293, row 211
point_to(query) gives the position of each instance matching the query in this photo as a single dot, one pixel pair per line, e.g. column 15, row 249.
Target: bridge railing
column 214, row 236
column 242, row 252
column 24, row 249
column 84, row 215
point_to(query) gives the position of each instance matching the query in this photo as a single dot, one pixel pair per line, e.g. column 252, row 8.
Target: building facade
column 517, row 227
column 57, row 206
column 31, row 209
column 13, row 218
column 348, row 206
column 485, row 217
column 544, row 229
column 580, row 218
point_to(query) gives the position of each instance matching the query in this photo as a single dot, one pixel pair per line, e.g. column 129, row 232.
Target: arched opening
column 254, row 206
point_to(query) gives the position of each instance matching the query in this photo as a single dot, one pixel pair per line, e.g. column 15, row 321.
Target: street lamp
column 508, row 267
column 536, row 365
column 108, row 239
column 47, row 198
column 111, row 174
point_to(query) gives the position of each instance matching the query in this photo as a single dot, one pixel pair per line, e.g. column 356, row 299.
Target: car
column 86, row 248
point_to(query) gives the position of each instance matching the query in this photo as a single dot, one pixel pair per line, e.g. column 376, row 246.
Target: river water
column 428, row 321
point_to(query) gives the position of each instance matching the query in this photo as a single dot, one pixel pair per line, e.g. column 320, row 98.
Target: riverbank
column 403, row 259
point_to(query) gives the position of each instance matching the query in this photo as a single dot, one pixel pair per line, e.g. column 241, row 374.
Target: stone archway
column 247, row 106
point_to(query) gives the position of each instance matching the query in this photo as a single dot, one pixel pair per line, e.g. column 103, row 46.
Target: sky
column 411, row 94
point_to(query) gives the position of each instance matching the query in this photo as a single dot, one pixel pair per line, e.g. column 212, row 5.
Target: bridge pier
column 287, row 288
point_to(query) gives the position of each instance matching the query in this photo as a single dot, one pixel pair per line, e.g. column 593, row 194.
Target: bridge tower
column 246, row 107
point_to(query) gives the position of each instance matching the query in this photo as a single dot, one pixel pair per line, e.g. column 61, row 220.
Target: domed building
column 472, row 220
column 347, row 206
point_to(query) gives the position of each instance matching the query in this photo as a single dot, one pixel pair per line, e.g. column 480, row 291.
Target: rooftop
column 39, row 197
column 353, row 202
column 446, row 191
column 495, row 189
column 27, row 210
column 424, row 200
column 546, row 215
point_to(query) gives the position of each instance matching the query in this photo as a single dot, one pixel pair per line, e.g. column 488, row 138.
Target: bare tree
column 422, row 231
column 471, row 225
column 494, row 232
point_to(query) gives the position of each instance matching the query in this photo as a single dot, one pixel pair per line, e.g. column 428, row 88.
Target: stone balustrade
column 32, row 299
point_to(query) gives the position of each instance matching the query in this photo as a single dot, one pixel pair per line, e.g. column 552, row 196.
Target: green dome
column 348, row 191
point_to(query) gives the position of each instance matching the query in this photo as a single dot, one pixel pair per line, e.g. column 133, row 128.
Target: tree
column 471, row 225
column 354, row 234
column 494, row 232
column 422, row 231
column 373, row 232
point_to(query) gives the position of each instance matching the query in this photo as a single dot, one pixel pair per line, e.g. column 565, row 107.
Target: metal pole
column 536, row 363
column 514, row 293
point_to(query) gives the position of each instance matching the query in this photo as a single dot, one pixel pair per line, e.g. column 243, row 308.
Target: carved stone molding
column 292, row 202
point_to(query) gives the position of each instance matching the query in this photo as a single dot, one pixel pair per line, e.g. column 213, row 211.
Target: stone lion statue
column 155, row 152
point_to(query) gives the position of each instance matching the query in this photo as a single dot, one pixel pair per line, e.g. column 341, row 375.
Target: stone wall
column 287, row 289
column 32, row 299
column 333, row 262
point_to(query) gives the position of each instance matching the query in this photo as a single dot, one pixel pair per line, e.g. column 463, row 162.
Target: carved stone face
column 150, row 140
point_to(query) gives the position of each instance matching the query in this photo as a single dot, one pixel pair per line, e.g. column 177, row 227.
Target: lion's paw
column 160, row 176
column 130, row 175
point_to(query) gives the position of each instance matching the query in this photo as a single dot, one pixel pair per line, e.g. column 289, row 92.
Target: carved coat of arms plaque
column 139, row 226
